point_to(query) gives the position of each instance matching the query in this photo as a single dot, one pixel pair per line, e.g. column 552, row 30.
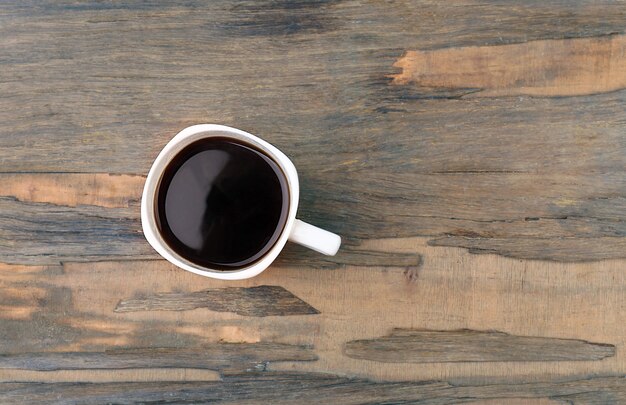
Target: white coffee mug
column 294, row 230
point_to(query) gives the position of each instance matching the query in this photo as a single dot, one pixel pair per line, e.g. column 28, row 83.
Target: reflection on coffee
column 222, row 204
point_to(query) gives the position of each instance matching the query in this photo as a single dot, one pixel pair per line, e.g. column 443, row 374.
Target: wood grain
column 221, row 356
column 428, row 346
column 264, row 300
column 558, row 223
column 290, row 388
column 74, row 189
column 568, row 67
column 126, row 375
column 71, row 308
column 97, row 217
column 43, row 233
column 523, row 161
column 392, row 145
column 567, row 250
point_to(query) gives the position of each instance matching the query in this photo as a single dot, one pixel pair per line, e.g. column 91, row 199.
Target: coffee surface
column 222, row 204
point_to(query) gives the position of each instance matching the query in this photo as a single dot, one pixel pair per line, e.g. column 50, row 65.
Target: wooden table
column 472, row 154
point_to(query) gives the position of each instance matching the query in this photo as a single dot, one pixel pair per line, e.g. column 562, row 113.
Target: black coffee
column 222, row 204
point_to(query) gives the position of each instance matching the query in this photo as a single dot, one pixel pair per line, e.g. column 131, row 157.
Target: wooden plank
column 175, row 74
column 428, row 346
column 352, row 253
column 560, row 222
column 221, row 356
column 49, row 218
column 391, row 144
column 264, row 300
column 289, row 388
column 112, row 375
column 71, row 308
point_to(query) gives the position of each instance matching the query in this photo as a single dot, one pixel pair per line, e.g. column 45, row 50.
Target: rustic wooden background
column 471, row 153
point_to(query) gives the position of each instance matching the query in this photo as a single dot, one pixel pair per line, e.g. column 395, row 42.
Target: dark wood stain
column 287, row 388
column 219, row 356
column 281, row 17
column 428, row 346
column 265, row 300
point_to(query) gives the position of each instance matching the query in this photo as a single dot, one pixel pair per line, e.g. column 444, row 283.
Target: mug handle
column 315, row 238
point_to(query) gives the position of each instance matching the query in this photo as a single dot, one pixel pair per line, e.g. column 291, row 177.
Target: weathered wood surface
column 424, row 132
column 289, row 388
column 264, row 300
column 568, row 67
column 221, row 356
column 432, row 346
column 71, row 309
column 85, row 89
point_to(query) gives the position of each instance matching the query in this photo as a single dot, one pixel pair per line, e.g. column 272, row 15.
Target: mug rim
column 149, row 195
